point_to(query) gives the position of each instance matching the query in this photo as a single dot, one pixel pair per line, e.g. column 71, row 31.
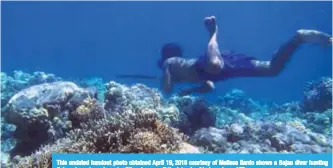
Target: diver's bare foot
column 315, row 37
column 210, row 24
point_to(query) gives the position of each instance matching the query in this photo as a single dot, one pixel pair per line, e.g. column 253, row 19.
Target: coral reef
column 90, row 109
column 195, row 113
column 319, row 122
column 10, row 85
column 41, row 113
column 94, row 84
column 120, row 98
column 138, row 132
column 288, row 112
column 261, row 137
column 169, row 114
column 8, row 141
column 211, row 139
column 19, row 80
column 236, row 99
column 226, row 116
column 44, row 114
column 318, row 95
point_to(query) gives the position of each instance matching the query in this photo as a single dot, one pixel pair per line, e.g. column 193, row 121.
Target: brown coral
column 88, row 110
column 139, row 132
column 144, row 141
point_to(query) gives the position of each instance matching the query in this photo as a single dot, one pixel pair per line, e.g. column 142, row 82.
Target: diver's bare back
column 182, row 70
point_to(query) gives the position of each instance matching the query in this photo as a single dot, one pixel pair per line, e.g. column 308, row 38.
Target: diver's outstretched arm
column 281, row 57
column 213, row 62
column 205, row 87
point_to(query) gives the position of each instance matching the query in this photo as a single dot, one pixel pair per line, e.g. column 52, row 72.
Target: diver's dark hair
column 169, row 50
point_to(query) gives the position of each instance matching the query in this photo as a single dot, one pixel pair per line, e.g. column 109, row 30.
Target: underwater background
column 59, row 62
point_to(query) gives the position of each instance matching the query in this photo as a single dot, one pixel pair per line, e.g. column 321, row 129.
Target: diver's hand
column 205, row 87
column 210, row 23
column 315, row 37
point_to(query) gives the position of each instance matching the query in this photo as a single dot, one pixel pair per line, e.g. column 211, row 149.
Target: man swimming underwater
column 215, row 66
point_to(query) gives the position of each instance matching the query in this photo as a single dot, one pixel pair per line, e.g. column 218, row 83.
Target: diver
column 215, row 66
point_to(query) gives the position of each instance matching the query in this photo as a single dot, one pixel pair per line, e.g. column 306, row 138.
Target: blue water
column 101, row 39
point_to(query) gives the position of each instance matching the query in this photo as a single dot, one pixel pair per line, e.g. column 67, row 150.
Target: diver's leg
column 283, row 54
column 281, row 57
column 213, row 62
